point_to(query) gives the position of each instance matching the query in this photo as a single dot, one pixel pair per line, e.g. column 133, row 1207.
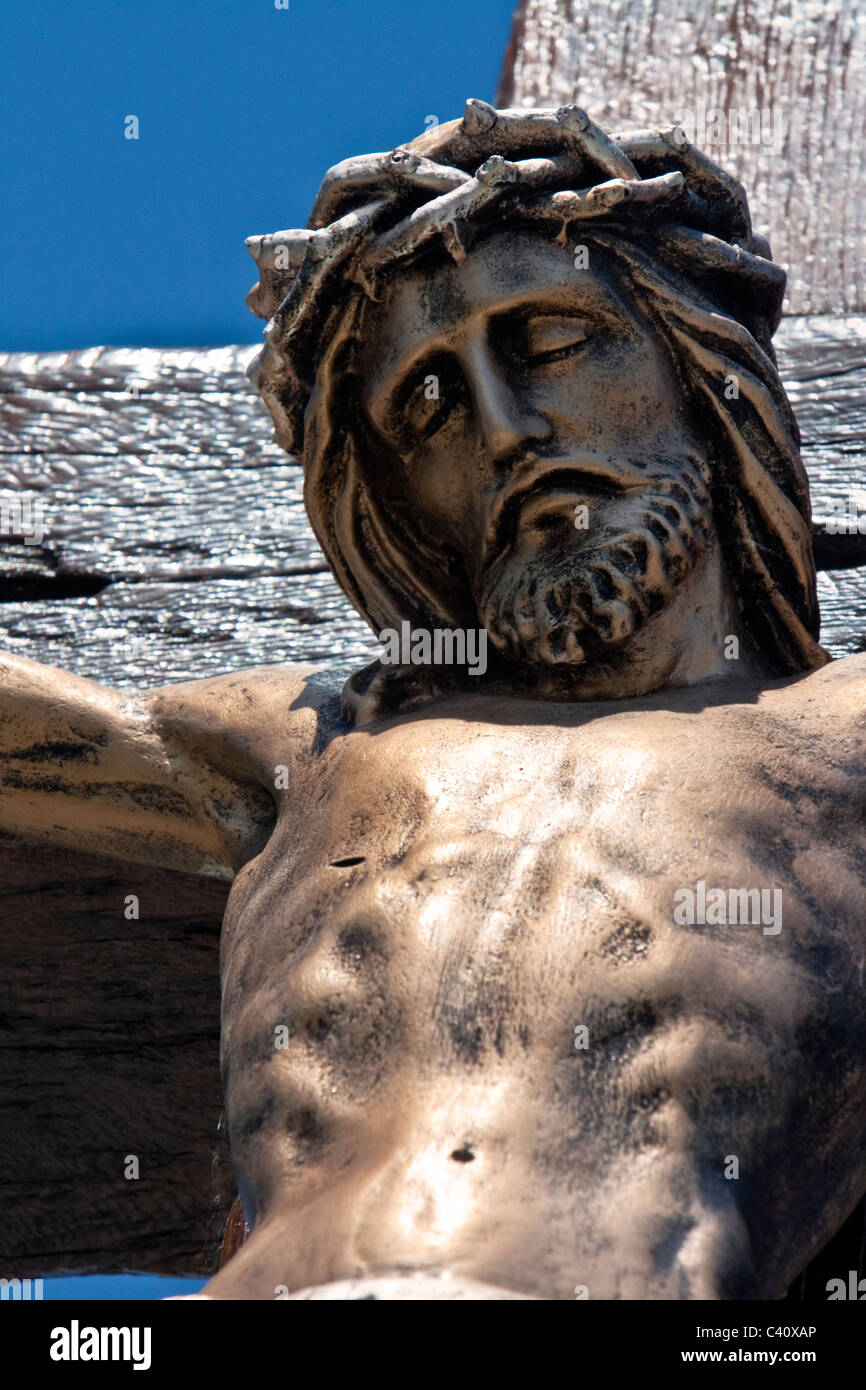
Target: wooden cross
column 175, row 541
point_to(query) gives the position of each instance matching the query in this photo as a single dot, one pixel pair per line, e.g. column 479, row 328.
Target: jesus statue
column 543, row 962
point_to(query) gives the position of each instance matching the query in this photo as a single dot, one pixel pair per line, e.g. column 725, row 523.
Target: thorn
column 573, row 117
column 478, row 117
column 405, row 159
column 496, row 170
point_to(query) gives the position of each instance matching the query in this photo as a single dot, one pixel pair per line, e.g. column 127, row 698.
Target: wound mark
column 464, row 1155
column 308, row 1132
column 357, row 943
column 630, row 941
column 348, row 863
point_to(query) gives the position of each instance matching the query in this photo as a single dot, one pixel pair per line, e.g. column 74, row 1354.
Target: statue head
column 527, row 366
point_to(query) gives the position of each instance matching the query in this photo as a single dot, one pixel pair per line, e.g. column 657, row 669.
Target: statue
column 543, row 966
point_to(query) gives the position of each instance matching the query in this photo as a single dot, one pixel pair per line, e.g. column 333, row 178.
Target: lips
column 547, row 502
column 547, row 487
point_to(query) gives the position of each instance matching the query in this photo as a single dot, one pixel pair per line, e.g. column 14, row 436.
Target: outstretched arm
column 159, row 779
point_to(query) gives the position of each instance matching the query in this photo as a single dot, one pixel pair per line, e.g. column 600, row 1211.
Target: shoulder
column 835, row 692
column 255, row 716
column 843, row 678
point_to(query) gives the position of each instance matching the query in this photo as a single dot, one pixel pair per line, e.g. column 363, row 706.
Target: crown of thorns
column 373, row 211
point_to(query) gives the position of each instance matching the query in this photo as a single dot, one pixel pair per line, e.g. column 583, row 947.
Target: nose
column 507, row 423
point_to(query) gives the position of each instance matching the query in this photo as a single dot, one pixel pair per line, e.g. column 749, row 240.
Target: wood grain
column 649, row 62
column 183, row 512
column 109, row 1038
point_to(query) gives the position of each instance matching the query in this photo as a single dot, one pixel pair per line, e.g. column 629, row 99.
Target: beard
column 568, row 596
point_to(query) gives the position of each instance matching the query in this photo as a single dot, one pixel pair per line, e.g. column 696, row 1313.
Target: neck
column 697, row 637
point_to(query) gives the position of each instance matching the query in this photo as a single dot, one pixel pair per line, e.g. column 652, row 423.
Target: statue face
column 533, row 423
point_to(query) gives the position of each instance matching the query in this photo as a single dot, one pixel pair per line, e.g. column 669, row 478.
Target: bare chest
column 590, row 959
column 540, row 852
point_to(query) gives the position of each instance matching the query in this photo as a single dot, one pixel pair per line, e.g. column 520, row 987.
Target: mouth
column 545, row 493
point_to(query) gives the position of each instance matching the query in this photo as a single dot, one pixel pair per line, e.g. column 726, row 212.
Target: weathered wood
column 658, row 62
column 109, row 1036
column 178, row 503
column 193, row 517
column 823, row 365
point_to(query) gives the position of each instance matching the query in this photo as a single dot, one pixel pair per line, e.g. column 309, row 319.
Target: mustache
column 564, row 605
column 585, row 474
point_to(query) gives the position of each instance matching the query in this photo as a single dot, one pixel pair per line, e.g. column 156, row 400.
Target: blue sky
column 114, row 1287
column 241, row 108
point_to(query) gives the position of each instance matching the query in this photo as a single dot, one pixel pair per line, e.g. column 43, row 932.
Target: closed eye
column 550, row 337
column 435, row 393
column 425, row 412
